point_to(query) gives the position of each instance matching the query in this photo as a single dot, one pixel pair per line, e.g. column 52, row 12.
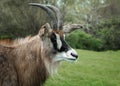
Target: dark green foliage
column 81, row 40
column 109, row 31
column 18, row 19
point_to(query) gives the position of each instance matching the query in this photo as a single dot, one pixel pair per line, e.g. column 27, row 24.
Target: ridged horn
column 59, row 16
column 48, row 11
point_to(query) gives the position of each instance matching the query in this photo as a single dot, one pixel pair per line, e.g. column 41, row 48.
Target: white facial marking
column 59, row 43
column 70, row 57
column 66, row 56
column 64, row 36
column 60, row 56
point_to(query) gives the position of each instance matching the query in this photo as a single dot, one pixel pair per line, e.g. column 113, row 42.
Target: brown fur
column 60, row 32
column 26, row 62
column 6, row 41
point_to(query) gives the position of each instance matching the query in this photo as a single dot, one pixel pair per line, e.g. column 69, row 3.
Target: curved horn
column 49, row 12
column 59, row 16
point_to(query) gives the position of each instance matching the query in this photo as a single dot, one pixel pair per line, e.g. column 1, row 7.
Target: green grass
column 91, row 69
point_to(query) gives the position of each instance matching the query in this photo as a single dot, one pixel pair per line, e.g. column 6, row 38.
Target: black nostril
column 74, row 55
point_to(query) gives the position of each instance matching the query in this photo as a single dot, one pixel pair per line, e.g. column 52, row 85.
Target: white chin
column 64, row 57
column 70, row 59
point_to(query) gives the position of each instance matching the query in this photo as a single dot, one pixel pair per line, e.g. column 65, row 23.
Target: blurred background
column 100, row 21
column 99, row 30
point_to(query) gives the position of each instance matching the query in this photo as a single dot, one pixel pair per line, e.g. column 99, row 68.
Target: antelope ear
column 45, row 30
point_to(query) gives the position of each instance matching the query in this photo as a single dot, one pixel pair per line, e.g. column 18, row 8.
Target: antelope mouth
column 71, row 59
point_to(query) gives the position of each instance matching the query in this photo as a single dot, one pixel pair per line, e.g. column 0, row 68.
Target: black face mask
column 64, row 48
column 53, row 39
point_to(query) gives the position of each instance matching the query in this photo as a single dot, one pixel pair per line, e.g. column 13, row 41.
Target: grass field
column 91, row 69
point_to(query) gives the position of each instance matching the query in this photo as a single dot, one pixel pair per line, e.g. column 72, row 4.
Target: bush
column 109, row 31
column 18, row 19
column 81, row 40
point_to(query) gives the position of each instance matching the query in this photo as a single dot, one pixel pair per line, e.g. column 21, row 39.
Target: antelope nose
column 74, row 55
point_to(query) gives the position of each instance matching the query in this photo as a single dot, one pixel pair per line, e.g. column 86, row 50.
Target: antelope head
column 54, row 34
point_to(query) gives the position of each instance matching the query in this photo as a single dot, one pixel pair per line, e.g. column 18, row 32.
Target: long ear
column 72, row 27
column 44, row 30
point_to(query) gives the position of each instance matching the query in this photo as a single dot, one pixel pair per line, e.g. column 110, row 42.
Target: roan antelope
column 29, row 61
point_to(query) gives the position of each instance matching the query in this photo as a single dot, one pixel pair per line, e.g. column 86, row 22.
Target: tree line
column 100, row 18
